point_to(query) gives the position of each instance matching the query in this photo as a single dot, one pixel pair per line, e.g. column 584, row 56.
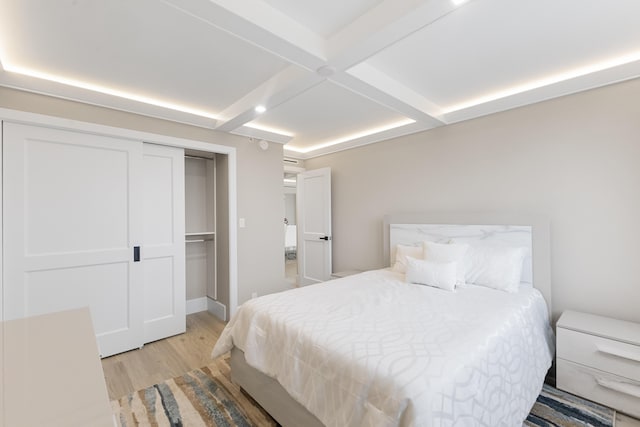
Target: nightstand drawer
column 611, row 390
column 600, row 353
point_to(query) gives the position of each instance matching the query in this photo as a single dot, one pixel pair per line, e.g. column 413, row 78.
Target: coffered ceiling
column 330, row 74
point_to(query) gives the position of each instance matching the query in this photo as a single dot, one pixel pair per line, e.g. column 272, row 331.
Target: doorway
column 290, row 229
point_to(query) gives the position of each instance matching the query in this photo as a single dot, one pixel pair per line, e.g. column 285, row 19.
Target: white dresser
column 598, row 358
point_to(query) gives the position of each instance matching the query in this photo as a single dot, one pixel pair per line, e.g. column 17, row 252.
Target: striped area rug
column 206, row 397
column 557, row 408
column 201, row 398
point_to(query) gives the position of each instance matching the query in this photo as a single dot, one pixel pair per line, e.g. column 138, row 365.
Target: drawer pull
column 619, row 353
column 625, row 388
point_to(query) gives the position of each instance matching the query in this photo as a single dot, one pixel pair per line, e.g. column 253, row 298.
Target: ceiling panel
column 324, row 17
column 142, row 46
column 325, row 113
column 348, row 71
column 490, row 45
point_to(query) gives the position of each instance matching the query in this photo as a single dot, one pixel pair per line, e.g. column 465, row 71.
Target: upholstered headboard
column 527, row 231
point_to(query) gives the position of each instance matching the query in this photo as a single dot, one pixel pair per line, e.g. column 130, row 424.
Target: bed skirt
column 270, row 394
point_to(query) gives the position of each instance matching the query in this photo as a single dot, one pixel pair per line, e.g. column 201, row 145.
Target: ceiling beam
column 264, row 26
column 288, row 83
column 379, row 87
column 261, row 25
column 381, row 27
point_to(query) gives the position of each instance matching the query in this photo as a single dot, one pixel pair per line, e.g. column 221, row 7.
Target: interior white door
column 314, row 226
column 71, row 219
column 163, row 253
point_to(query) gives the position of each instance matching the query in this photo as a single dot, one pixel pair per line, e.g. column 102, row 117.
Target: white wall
column 259, row 184
column 574, row 159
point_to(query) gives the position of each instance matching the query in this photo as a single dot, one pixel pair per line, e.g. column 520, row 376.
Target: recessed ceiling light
column 260, row 109
column 458, row 2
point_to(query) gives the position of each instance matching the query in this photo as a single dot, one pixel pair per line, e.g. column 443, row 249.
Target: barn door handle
column 136, row 254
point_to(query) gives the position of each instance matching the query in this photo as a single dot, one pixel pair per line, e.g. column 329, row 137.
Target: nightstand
column 341, row 274
column 598, row 358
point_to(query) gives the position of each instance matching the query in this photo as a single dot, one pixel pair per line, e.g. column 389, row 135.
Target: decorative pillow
column 497, row 267
column 437, row 274
column 402, row 252
column 441, row 252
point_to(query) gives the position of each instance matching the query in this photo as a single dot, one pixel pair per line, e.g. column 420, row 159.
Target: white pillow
column 437, row 274
column 402, row 252
column 497, row 267
column 441, row 252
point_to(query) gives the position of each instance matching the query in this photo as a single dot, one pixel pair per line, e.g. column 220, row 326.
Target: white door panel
column 159, row 299
column 71, row 211
column 102, row 287
column 58, row 219
column 313, row 196
column 163, row 254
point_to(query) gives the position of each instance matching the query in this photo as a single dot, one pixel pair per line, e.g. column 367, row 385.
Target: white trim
column 217, row 309
column 134, row 135
column 196, row 305
column 1, row 238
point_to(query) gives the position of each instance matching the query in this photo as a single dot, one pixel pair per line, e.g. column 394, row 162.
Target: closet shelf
column 205, row 236
column 203, row 233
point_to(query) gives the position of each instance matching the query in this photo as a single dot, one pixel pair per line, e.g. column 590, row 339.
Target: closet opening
column 206, row 239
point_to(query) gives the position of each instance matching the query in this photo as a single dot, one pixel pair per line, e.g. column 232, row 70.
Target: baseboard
column 217, row 309
column 196, row 305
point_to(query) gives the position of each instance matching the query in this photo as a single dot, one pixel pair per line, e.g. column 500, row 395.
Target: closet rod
column 198, row 240
column 189, row 156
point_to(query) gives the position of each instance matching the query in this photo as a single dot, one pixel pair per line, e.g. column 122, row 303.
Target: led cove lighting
column 103, row 89
column 268, row 129
column 556, row 78
column 362, row 134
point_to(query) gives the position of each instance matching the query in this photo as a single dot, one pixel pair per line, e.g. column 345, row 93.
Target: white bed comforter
column 372, row 350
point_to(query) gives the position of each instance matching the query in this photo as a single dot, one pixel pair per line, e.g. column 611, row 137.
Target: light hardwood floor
column 164, row 359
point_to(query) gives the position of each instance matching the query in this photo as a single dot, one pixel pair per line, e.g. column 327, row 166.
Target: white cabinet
column 77, row 208
column 51, row 373
column 599, row 358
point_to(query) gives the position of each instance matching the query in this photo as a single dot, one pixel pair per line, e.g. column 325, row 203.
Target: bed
column 374, row 350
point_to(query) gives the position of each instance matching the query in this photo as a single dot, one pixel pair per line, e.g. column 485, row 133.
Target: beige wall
column 259, row 184
column 574, row 159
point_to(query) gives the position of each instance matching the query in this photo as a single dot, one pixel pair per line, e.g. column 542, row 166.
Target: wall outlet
column 254, row 295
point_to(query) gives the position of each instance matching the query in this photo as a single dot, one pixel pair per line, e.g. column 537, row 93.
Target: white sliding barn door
column 313, row 197
column 72, row 214
column 163, row 253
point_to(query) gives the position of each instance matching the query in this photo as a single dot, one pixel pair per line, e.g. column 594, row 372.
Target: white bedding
column 372, row 350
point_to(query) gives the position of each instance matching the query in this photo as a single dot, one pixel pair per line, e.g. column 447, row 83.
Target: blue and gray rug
column 206, row 397
column 201, row 398
column 557, row 408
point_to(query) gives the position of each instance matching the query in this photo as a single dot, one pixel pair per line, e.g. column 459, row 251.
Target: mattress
column 372, row 350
